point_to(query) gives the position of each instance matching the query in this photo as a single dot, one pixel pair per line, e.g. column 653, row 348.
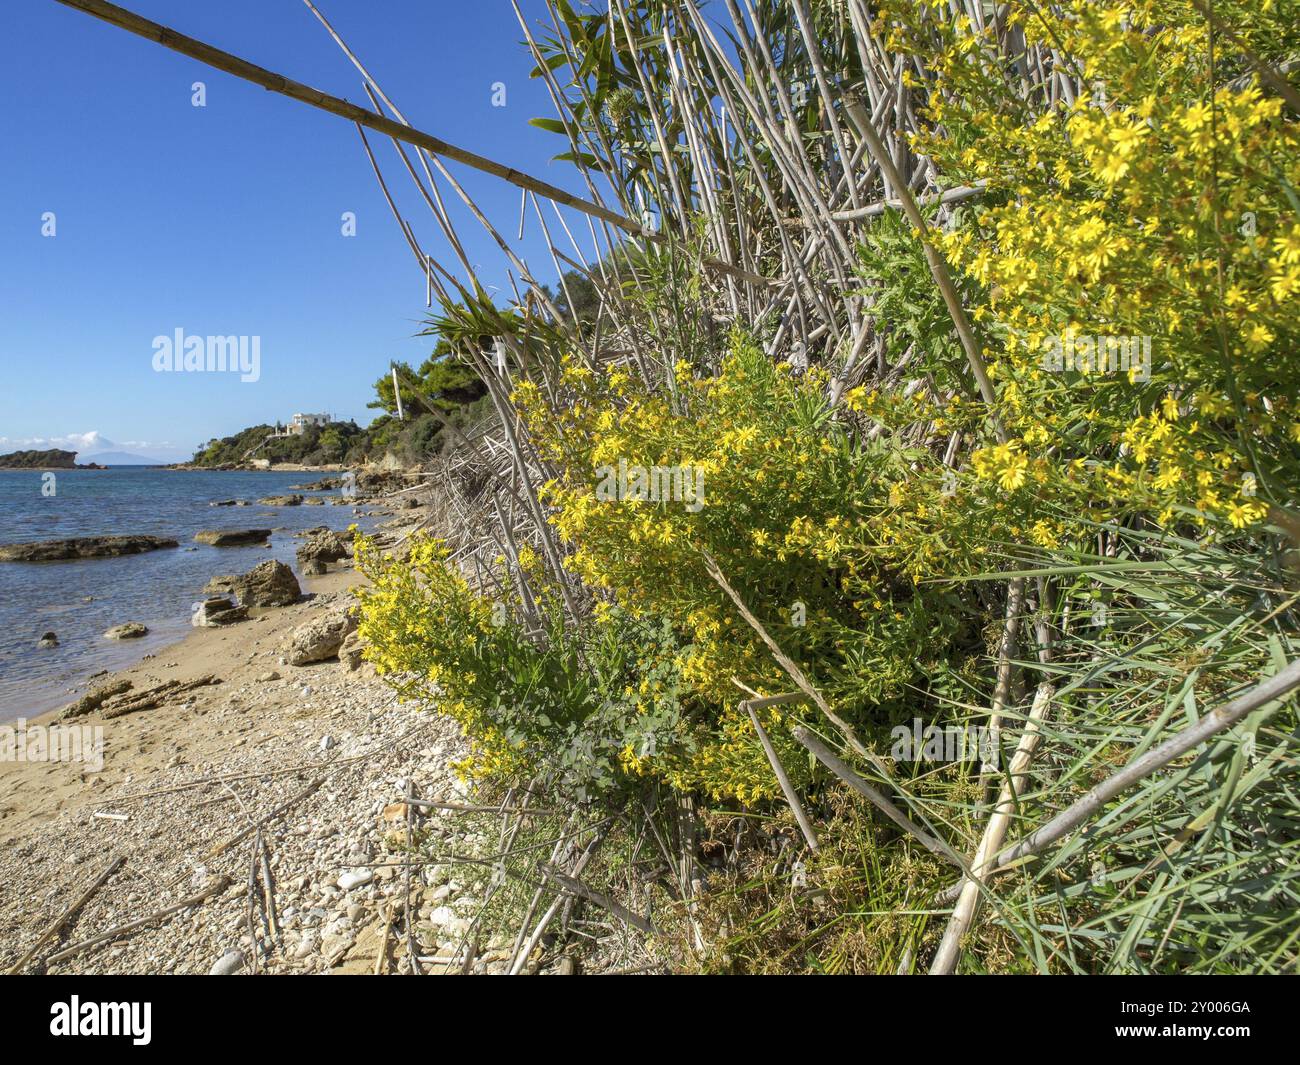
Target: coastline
column 80, row 598
column 315, row 754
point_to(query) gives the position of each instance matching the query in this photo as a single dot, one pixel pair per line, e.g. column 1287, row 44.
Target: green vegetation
column 1024, row 462
column 317, row 445
column 443, row 383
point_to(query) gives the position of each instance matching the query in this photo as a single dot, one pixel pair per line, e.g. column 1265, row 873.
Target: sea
column 80, row 600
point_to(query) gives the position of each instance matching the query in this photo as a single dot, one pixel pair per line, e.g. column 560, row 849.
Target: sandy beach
column 295, row 770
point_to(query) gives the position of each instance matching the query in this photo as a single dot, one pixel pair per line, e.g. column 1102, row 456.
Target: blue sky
column 226, row 219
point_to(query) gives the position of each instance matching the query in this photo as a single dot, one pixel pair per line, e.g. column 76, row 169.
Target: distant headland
column 53, row 459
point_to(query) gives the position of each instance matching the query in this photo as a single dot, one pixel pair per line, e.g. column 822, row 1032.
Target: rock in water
column 232, row 537
column 320, row 638
column 325, row 546
column 217, row 611
column 82, row 547
column 131, row 630
column 228, row 964
column 224, row 584
column 48, row 639
column 281, row 501
column 269, row 583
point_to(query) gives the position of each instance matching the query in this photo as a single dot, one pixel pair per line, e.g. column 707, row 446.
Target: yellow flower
column 1013, row 474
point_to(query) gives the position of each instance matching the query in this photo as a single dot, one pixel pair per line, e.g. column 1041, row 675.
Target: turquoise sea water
column 81, row 600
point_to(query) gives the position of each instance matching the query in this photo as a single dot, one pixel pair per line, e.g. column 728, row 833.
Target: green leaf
column 551, row 125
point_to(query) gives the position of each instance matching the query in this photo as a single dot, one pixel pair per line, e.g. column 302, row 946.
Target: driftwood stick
column 577, row 887
column 782, row 778
column 786, row 662
column 269, row 80
column 526, row 950
column 229, row 778
column 963, row 915
column 381, row 958
column 842, row 770
column 251, row 903
column 273, row 82
column 268, row 893
column 216, row 887
column 66, row 916
column 408, row 909
column 331, row 764
column 467, row 808
column 1216, row 721
column 288, row 804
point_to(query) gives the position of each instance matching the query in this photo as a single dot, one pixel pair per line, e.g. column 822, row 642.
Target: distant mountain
column 123, row 458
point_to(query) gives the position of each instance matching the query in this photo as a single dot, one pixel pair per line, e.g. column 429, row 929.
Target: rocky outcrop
column 320, row 638
column 52, row 459
column 130, row 630
column 118, row 699
column 323, row 546
column 350, row 651
column 281, row 501
column 271, row 583
column 232, row 537
column 218, row 610
column 48, row 639
column 82, row 547
column 371, row 483
column 92, row 700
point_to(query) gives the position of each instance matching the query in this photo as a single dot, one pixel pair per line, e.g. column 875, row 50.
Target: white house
column 299, row 422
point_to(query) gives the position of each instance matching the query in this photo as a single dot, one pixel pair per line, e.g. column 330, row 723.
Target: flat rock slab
column 232, row 537
column 131, row 630
column 83, row 547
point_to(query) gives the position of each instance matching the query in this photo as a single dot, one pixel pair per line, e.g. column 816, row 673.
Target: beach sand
column 331, row 745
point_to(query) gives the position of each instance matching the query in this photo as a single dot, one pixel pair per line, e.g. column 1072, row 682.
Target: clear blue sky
column 225, row 219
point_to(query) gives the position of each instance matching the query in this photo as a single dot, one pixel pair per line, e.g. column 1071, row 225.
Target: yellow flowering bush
column 1132, row 267
column 807, row 524
column 1136, row 254
column 578, row 707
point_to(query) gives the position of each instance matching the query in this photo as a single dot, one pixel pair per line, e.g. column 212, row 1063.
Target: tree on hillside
column 586, row 299
column 444, row 379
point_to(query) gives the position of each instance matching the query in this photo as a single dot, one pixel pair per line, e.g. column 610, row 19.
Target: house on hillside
column 299, row 422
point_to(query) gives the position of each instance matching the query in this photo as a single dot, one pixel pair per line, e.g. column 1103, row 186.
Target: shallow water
column 157, row 588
